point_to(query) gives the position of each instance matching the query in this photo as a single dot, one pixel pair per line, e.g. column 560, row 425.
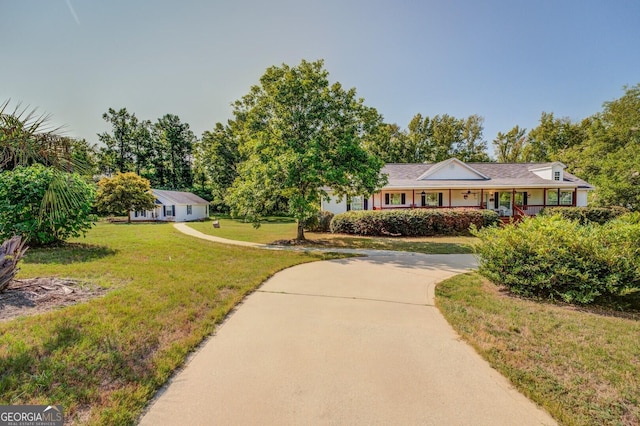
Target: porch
column 508, row 203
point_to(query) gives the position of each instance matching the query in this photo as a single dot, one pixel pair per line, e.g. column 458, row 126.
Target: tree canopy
column 298, row 135
column 431, row 139
column 123, row 193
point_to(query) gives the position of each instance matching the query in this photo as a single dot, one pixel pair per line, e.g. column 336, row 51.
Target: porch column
column 575, row 197
column 449, row 197
column 544, row 197
column 373, row 201
column 413, row 198
column 513, row 200
column 482, row 198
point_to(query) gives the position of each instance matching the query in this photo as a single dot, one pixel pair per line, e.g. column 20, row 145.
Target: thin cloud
column 73, row 12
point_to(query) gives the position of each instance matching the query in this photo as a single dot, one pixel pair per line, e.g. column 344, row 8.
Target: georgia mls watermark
column 31, row 415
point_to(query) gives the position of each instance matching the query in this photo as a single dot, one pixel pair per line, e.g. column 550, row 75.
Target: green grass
column 272, row 231
column 581, row 366
column 103, row 360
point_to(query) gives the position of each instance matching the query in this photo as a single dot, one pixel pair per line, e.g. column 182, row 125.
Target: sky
column 505, row 60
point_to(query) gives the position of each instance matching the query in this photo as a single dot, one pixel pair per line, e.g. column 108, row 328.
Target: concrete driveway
column 344, row 342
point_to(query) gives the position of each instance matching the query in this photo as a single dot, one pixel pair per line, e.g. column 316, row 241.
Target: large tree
column 218, row 156
column 511, row 147
column 299, row 135
column 173, row 150
column 123, row 193
column 127, row 146
column 431, row 139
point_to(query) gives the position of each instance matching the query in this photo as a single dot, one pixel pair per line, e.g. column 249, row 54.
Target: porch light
column 423, row 193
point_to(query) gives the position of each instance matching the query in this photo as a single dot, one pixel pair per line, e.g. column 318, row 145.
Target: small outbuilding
column 174, row 206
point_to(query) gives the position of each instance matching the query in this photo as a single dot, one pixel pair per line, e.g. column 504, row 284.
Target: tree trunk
column 129, row 216
column 300, row 236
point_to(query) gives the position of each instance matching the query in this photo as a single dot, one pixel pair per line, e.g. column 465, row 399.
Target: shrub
column 320, row 222
column 586, row 215
column 31, row 205
column 555, row 258
column 412, row 223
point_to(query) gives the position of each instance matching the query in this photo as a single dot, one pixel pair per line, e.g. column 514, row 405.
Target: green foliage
column 217, row 156
column 551, row 257
column 161, row 152
column 299, row 134
column 319, row 223
column 412, row 223
column 29, row 205
column 585, row 215
column 123, row 193
column 511, row 147
column 431, row 140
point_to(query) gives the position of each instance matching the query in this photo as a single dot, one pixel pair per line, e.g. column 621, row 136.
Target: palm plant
column 27, row 138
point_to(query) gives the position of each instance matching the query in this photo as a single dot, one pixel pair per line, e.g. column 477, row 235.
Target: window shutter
column 496, row 200
column 525, row 201
column 164, row 210
column 366, row 204
column 348, row 206
column 173, row 210
column 403, row 198
column 439, row 199
column 386, row 199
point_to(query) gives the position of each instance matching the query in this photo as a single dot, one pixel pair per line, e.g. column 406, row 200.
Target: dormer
column 552, row 171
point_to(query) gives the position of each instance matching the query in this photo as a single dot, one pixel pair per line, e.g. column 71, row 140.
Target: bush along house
column 511, row 189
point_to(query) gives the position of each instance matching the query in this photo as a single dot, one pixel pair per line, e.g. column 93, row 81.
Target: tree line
column 296, row 133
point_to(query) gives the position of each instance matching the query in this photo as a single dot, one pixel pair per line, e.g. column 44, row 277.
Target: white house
column 174, row 206
column 511, row 189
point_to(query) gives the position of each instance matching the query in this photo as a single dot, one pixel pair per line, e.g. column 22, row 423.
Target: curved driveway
column 353, row 341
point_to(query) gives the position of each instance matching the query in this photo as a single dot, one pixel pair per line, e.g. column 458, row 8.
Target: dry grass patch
column 581, row 366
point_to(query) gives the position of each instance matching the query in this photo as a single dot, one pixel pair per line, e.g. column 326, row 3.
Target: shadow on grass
column 67, row 253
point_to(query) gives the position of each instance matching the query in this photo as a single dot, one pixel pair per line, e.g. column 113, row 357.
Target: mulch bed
column 36, row 295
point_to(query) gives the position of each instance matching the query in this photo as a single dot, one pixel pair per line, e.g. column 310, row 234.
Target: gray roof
column 179, row 197
column 500, row 175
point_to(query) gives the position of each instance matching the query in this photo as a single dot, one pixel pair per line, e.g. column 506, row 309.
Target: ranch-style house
column 174, row 206
column 510, row 189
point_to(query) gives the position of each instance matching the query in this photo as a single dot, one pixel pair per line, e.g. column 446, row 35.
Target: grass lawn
column 285, row 229
column 582, row 367
column 103, row 360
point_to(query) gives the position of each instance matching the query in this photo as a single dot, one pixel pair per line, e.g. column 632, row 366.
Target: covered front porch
column 507, row 202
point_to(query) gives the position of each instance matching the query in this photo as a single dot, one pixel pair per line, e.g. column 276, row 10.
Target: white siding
column 582, row 198
column 334, row 206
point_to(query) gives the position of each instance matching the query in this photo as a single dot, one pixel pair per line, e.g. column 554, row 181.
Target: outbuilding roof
column 178, row 197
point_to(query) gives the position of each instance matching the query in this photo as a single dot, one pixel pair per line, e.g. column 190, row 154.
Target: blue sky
column 506, row 60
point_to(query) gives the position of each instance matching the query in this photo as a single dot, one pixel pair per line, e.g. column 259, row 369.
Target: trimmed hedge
column 586, row 215
column 412, row 223
column 554, row 258
column 319, row 223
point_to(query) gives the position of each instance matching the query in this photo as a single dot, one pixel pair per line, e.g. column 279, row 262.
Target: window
column 566, row 198
column 396, row 199
column 556, row 175
column 356, row 203
column 189, row 209
column 168, row 210
column 552, row 198
column 431, row 199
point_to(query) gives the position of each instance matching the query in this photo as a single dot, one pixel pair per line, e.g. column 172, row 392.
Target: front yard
column 278, row 229
column 104, row 359
column 582, row 366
